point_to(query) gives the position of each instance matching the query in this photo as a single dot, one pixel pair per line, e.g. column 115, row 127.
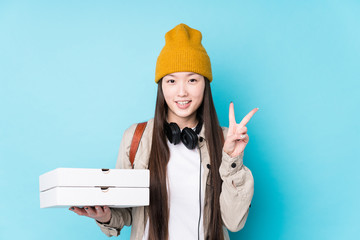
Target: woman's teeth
column 183, row 103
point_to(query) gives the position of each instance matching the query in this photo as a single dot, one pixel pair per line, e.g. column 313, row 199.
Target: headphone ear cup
column 172, row 132
column 189, row 138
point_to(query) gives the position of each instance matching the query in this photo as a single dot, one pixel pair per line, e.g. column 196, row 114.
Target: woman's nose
column 182, row 90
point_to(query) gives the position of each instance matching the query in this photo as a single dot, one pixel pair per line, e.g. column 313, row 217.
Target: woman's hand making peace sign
column 237, row 137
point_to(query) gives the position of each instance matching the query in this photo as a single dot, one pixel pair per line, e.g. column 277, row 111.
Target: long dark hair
column 159, row 158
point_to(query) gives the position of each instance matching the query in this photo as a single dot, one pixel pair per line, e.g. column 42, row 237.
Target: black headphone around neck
column 187, row 136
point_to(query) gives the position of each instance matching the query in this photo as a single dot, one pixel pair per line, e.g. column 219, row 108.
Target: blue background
column 75, row 74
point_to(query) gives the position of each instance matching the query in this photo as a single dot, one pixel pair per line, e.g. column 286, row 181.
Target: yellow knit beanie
column 183, row 52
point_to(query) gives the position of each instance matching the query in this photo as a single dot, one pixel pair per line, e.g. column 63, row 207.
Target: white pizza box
column 86, row 177
column 115, row 197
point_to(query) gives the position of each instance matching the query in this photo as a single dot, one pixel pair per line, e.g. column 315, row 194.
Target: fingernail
column 71, row 208
column 86, row 208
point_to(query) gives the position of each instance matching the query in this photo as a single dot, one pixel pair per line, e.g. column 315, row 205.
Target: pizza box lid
column 87, row 177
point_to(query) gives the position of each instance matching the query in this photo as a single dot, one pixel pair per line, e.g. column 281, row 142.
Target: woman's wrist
column 107, row 222
column 229, row 154
column 104, row 221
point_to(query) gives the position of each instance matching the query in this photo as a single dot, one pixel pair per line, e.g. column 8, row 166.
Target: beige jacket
column 235, row 198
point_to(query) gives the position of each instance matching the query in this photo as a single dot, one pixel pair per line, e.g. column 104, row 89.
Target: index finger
column 247, row 118
column 79, row 211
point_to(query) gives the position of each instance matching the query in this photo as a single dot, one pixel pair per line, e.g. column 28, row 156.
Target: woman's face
column 183, row 92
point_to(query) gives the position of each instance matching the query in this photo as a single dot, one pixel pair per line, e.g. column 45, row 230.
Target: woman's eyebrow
column 186, row 75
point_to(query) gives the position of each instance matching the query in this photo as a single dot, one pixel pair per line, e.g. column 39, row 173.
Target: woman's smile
column 183, row 104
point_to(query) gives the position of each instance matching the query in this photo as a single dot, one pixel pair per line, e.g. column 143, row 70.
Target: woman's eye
column 193, row 80
column 171, row 81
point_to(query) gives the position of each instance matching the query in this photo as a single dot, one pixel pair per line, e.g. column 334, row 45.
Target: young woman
column 199, row 186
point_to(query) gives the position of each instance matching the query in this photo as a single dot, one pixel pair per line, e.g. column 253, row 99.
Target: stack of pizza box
column 118, row 188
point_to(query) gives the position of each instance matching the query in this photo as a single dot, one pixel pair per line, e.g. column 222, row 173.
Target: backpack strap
column 136, row 140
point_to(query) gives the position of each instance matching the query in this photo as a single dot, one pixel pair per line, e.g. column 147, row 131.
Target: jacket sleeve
column 236, row 192
column 120, row 216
